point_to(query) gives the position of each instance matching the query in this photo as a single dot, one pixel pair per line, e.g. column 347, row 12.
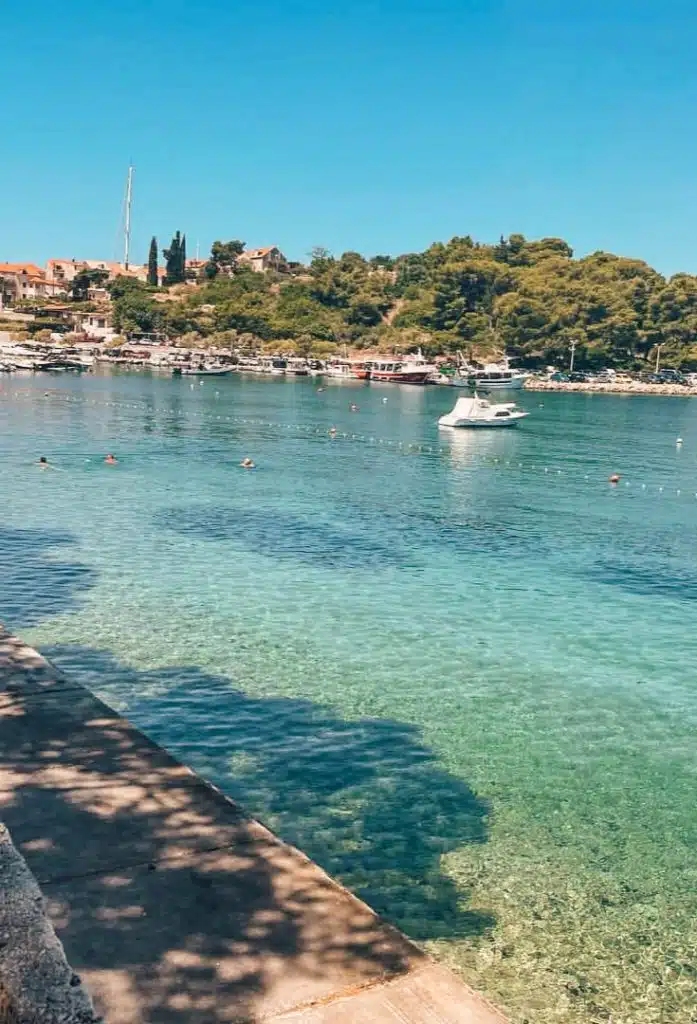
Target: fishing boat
column 473, row 411
column 348, row 369
column 411, row 369
column 210, row 370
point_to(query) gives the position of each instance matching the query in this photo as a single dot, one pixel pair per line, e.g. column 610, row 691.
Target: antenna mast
column 127, row 228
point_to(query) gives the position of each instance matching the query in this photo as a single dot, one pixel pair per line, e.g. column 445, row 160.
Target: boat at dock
column 275, row 365
column 348, row 369
column 492, row 377
column 203, row 371
column 473, row 411
column 297, row 368
column 407, row 370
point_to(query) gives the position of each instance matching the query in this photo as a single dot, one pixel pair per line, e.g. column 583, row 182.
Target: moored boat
column 494, row 377
column 473, row 411
column 205, row 371
column 348, row 369
column 297, row 368
column 407, row 370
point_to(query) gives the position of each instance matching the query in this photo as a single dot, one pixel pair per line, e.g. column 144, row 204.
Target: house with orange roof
column 24, row 281
column 268, row 257
column 64, row 271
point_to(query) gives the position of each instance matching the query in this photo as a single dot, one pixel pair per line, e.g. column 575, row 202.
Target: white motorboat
column 274, row 365
column 297, row 368
column 494, row 377
column 478, row 412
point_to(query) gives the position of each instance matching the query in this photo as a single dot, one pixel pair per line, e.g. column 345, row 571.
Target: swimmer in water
column 353, row 407
column 110, row 460
column 43, row 463
column 247, row 464
column 614, row 479
column 332, row 432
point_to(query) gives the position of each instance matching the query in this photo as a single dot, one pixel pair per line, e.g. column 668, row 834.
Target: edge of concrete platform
column 36, row 982
column 52, row 989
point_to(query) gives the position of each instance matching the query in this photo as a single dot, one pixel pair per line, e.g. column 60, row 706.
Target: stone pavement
column 173, row 907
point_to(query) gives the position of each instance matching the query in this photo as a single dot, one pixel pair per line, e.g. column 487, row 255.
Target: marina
column 385, row 644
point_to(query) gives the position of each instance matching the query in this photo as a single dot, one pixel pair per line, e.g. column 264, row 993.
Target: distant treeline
column 531, row 298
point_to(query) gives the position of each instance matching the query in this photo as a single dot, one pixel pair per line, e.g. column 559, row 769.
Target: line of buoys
column 321, row 431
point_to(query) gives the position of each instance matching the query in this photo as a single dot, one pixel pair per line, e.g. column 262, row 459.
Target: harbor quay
column 134, row 892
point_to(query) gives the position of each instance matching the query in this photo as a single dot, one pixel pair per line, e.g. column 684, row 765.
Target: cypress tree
column 182, row 259
column 152, row 263
column 173, row 260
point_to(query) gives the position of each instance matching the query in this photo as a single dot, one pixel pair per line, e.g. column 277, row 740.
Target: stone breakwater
column 629, row 387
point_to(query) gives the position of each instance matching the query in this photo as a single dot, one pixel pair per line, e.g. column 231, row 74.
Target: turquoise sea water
column 458, row 670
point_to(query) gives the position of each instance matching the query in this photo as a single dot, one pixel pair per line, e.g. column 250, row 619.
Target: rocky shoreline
column 625, row 387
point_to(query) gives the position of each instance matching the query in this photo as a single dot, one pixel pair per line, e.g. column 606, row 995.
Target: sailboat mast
column 127, row 228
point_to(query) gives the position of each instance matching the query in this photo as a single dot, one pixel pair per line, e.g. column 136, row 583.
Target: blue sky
column 378, row 126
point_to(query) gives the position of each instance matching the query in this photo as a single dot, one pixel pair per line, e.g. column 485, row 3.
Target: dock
column 134, row 891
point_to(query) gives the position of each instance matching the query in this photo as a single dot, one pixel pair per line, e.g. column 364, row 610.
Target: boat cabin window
column 502, row 414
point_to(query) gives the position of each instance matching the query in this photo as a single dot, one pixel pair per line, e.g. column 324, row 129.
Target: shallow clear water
column 456, row 669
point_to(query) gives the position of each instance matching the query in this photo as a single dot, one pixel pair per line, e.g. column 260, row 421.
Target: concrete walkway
column 172, row 905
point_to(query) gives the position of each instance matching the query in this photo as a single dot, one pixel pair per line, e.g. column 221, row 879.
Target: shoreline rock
column 619, row 388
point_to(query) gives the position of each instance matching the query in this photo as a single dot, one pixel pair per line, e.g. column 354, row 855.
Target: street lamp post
column 574, row 343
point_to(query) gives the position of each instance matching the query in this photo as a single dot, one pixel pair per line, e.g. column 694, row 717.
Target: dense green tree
column 152, row 264
column 531, row 298
column 223, row 258
column 84, row 280
column 135, row 311
column 175, row 257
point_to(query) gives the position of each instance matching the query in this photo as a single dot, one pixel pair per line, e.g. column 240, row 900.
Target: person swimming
column 43, row 463
column 353, row 407
column 110, row 460
column 247, row 464
column 614, row 478
column 332, row 432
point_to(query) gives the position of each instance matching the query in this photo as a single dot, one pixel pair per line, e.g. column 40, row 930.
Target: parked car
column 670, row 377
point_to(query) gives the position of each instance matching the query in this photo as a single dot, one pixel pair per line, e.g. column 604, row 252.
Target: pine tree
column 152, row 263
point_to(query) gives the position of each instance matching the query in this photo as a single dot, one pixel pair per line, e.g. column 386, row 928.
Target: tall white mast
column 127, row 228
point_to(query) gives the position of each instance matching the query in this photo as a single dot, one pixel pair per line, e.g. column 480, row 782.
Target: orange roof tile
column 22, row 268
column 255, row 253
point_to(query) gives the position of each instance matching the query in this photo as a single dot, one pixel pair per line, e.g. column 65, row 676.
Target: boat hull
column 512, row 384
column 205, row 373
column 503, row 424
column 409, row 377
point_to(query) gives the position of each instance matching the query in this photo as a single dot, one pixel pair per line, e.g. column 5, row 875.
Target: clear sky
column 378, row 126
